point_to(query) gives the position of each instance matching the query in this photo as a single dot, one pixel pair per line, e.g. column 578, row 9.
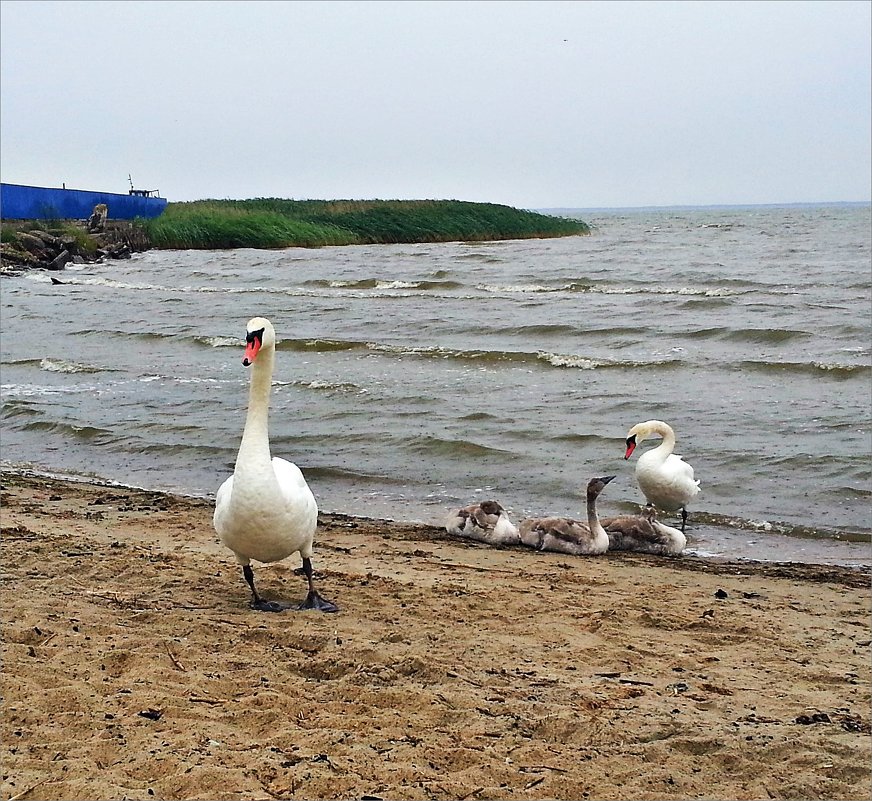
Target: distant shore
column 278, row 223
column 272, row 223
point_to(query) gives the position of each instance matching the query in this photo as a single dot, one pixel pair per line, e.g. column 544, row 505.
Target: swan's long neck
column 255, row 436
column 667, row 445
column 593, row 522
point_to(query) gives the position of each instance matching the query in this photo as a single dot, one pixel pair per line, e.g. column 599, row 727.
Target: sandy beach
column 133, row 667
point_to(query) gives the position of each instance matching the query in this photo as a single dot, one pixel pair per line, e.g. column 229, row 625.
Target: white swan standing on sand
column 565, row 535
column 665, row 478
column 265, row 511
column 485, row 522
column 643, row 533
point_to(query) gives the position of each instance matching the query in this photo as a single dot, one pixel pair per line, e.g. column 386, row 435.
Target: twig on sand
column 475, row 567
column 454, row 675
column 545, row 767
column 175, row 661
column 28, row 789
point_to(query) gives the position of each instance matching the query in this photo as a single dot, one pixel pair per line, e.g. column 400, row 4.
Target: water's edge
column 814, row 571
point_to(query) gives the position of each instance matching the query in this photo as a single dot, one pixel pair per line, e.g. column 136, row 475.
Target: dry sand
column 134, row 668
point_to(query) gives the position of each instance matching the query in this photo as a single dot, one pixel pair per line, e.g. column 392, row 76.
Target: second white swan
column 665, row 479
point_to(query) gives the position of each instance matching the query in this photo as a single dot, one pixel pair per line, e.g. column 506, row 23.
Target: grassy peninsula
column 276, row 223
column 270, row 223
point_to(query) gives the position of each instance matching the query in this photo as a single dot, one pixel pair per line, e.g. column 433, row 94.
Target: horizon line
column 673, row 206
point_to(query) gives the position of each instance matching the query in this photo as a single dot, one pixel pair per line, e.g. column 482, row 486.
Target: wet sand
column 133, row 667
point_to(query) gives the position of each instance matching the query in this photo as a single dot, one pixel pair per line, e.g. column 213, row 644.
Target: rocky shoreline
column 29, row 244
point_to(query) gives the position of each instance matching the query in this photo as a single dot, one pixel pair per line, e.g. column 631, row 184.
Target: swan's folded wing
column 482, row 519
column 629, row 525
column 562, row 528
column 294, row 488
column 682, row 468
column 222, row 503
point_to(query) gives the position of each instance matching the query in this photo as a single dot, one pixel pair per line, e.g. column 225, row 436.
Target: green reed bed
column 277, row 223
column 208, row 225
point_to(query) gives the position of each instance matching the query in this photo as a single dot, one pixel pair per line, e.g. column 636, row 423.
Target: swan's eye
column 251, row 336
column 631, row 440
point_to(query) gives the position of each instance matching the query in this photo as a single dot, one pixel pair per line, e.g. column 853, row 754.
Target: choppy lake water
column 413, row 378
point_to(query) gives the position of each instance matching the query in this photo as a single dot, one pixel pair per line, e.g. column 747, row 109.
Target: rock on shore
column 33, row 247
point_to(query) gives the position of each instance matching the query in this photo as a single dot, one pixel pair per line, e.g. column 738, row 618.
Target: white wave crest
column 846, row 368
column 715, row 292
column 519, row 288
column 9, row 391
column 222, row 342
column 335, row 386
column 63, row 366
column 381, row 347
column 397, row 285
column 577, row 362
column 584, row 363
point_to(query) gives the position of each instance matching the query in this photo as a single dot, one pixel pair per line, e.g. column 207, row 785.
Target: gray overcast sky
column 532, row 104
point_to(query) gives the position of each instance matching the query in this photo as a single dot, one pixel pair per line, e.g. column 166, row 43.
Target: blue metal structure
column 19, row 202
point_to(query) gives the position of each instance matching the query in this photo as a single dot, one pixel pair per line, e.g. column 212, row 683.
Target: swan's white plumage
column 666, row 480
column 267, row 519
column 265, row 511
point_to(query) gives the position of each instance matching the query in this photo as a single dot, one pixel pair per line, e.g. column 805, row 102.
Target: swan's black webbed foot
column 315, row 601
column 257, row 602
column 269, row 606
